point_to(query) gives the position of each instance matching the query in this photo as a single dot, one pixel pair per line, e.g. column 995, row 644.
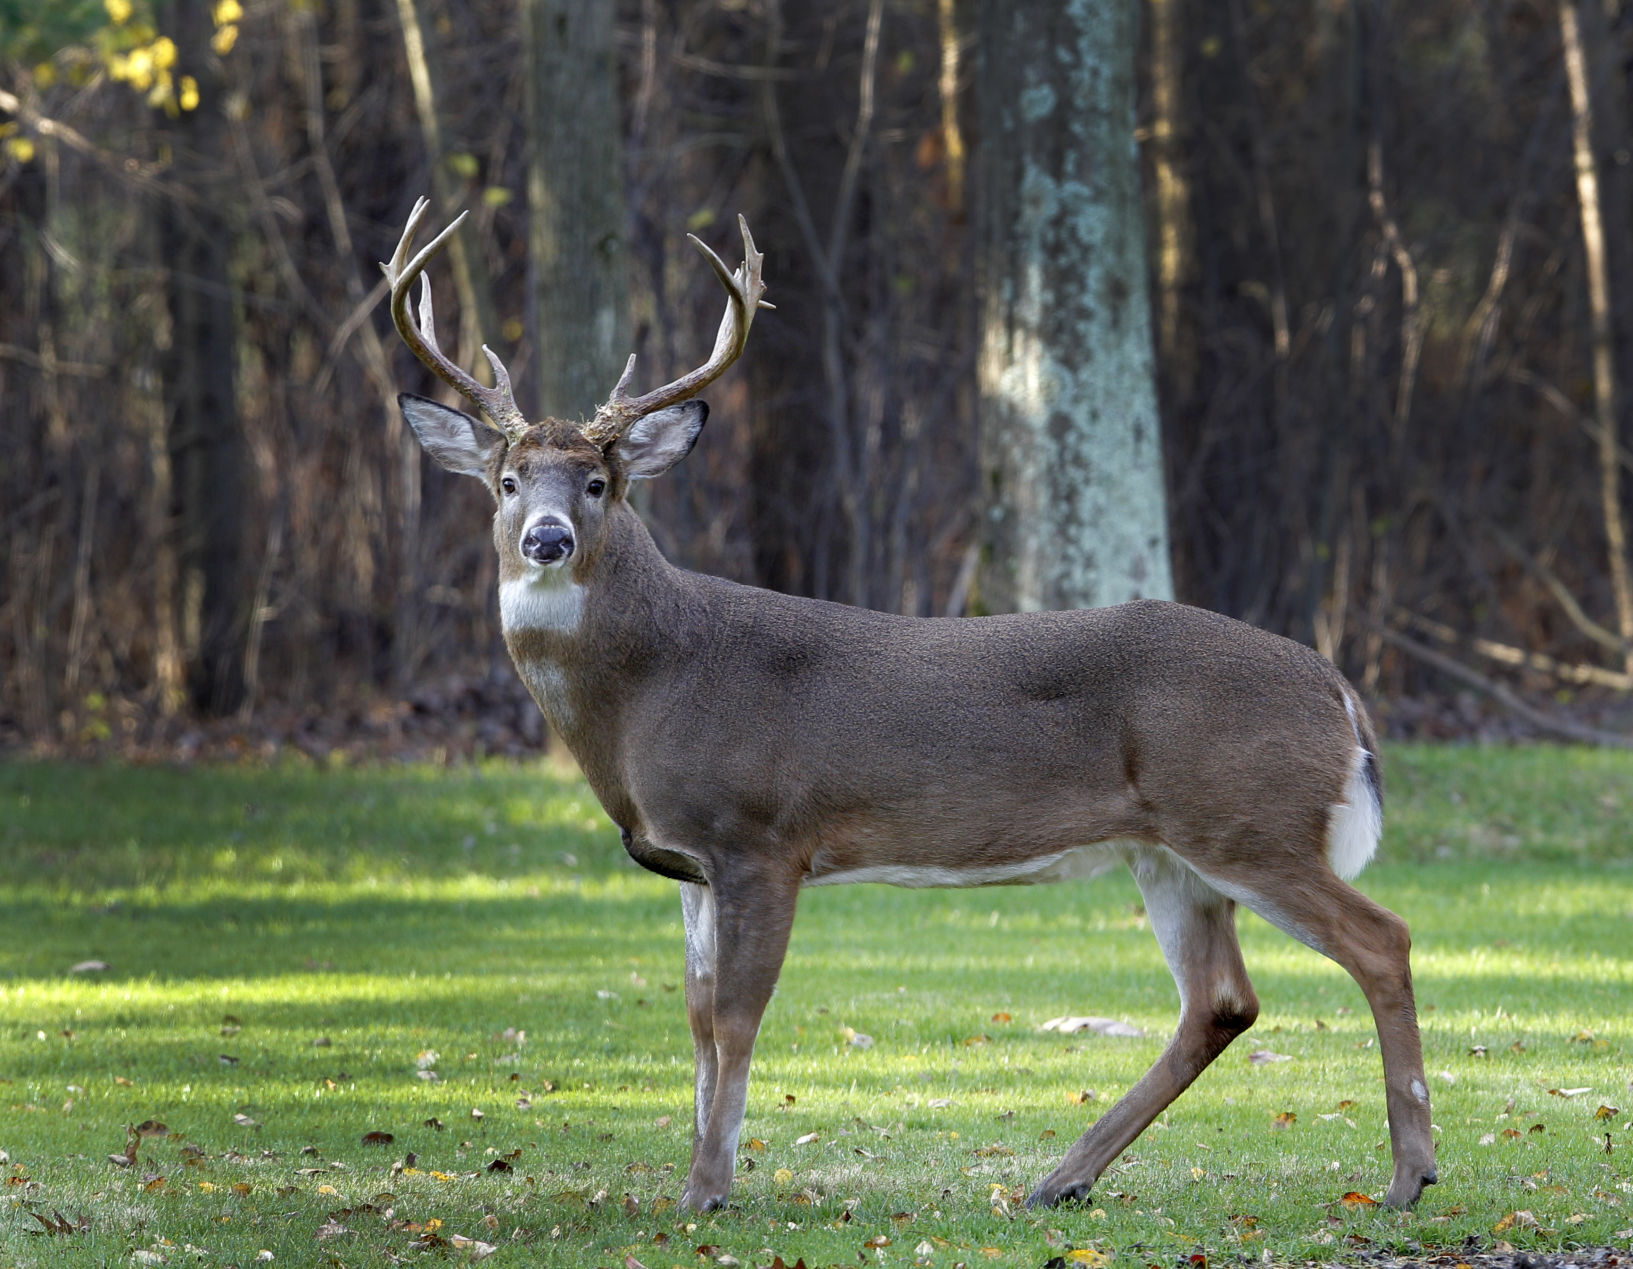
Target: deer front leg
column 751, row 918
column 1196, row 927
column 697, row 911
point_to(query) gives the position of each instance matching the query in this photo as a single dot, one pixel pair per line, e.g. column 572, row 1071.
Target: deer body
column 749, row 744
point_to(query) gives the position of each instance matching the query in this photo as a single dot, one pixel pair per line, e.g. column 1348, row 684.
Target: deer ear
column 465, row 446
column 660, row 440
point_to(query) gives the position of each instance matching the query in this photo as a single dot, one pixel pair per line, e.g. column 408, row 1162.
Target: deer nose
column 548, row 541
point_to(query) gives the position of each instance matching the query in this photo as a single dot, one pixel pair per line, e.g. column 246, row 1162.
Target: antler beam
column 497, row 402
column 744, row 288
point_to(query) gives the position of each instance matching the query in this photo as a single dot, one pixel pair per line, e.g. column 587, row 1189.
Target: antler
column 497, row 402
column 744, row 289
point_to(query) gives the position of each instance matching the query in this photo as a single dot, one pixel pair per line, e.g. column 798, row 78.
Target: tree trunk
column 1587, row 91
column 204, row 434
column 477, row 323
column 1071, row 441
column 1176, row 232
column 577, row 247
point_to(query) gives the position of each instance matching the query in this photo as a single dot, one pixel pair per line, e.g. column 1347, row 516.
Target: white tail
column 749, row 744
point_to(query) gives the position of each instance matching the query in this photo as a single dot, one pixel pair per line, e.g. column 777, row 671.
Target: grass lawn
column 301, row 962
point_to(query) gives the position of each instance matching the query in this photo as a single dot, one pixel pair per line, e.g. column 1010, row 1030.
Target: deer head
column 554, row 482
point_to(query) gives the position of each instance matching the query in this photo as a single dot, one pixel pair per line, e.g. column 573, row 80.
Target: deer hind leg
column 1196, row 927
column 750, row 919
column 1374, row 946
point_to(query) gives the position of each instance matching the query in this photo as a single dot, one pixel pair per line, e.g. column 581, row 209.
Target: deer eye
column 596, row 487
column 508, row 484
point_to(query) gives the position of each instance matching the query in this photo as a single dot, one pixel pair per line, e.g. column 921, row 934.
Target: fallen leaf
column 1100, row 1026
column 90, row 967
column 1356, row 1199
column 855, row 1038
column 1002, row 1017
column 57, row 1225
column 471, row 1248
column 1284, row 1120
column 1262, row 1057
column 808, row 1139
column 378, row 1138
column 1569, row 1092
column 1607, row 1112
column 782, row 1176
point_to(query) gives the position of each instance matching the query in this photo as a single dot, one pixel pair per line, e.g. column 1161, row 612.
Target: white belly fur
column 1067, row 865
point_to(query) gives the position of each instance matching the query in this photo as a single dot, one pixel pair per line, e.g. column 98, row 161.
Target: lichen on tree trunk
column 1071, row 439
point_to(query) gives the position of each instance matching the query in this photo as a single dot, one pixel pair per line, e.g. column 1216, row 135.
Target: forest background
column 1391, row 275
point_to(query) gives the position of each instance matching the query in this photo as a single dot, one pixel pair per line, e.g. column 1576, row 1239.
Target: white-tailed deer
column 749, row 744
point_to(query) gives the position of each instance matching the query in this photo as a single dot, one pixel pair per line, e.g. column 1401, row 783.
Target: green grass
column 292, row 950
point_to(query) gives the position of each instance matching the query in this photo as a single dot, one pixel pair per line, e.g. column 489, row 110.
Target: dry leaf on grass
column 1070, row 1025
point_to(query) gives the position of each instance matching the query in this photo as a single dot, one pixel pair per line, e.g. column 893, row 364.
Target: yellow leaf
column 189, row 93
column 164, row 52
column 223, row 40
column 1606, row 1112
column 327, row 1189
column 1356, row 1199
column 1285, row 1120
column 118, row 10
column 20, row 148
column 207, row 1187
column 755, row 1144
column 227, row 11
column 782, row 1176
column 1088, row 1256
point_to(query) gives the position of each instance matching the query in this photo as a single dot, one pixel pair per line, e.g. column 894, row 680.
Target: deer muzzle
column 548, row 542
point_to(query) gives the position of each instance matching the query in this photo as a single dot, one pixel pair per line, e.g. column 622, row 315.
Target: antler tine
column 497, row 402
column 744, row 289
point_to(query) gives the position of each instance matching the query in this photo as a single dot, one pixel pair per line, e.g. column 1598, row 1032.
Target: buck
column 749, row 744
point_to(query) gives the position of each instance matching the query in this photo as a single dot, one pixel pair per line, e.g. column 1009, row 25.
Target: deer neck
column 583, row 637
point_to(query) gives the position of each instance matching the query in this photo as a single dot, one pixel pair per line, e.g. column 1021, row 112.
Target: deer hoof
column 699, row 1201
column 1404, row 1191
column 1052, row 1193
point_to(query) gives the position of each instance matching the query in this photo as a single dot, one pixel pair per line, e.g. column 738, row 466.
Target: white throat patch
column 547, row 600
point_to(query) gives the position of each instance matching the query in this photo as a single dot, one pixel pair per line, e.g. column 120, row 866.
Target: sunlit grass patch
column 466, row 962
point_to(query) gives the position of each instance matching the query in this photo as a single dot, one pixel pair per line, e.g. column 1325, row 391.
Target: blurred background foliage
column 1392, row 344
